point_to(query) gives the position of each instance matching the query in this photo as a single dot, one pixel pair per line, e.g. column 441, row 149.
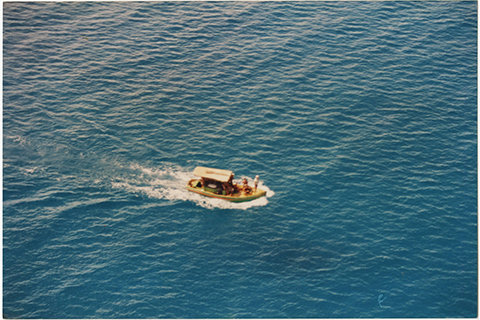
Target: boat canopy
column 214, row 174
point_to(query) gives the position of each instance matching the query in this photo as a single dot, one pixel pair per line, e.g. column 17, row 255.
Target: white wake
column 170, row 184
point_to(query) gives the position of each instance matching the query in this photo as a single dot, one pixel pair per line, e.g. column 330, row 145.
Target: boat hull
column 236, row 197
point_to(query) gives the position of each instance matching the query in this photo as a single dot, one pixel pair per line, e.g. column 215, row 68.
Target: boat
column 218, row 183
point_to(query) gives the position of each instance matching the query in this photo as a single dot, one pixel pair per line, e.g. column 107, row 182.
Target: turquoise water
column 359, row 117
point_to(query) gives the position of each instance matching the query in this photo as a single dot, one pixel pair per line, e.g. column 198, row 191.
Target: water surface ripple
column 359, row 117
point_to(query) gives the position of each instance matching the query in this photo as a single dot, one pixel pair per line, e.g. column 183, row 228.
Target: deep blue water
column 359, row 117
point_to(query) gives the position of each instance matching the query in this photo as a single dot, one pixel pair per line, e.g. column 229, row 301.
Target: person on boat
column 229, row 189
column 256, row 182
column 246, row 188
column 230, row 185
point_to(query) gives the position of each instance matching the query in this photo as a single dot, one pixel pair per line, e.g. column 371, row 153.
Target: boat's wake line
column 169, row 184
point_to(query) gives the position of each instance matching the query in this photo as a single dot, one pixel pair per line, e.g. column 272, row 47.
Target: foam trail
column 169, row 184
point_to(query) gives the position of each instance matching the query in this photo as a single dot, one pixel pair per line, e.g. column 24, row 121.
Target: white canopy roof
column 214, row 174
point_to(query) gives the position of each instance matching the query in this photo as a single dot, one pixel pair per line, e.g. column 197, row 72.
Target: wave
column 169, row 184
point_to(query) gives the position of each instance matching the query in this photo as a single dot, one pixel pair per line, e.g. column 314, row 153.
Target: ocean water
column 359, row 117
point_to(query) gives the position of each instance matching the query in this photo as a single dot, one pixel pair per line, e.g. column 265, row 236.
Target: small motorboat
column 217, row 183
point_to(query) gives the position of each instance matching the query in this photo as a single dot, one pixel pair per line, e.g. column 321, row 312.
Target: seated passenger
column 228, row 188
column 246, row 188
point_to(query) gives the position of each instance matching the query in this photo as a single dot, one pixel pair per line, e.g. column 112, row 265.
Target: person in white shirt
column 256, row 183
